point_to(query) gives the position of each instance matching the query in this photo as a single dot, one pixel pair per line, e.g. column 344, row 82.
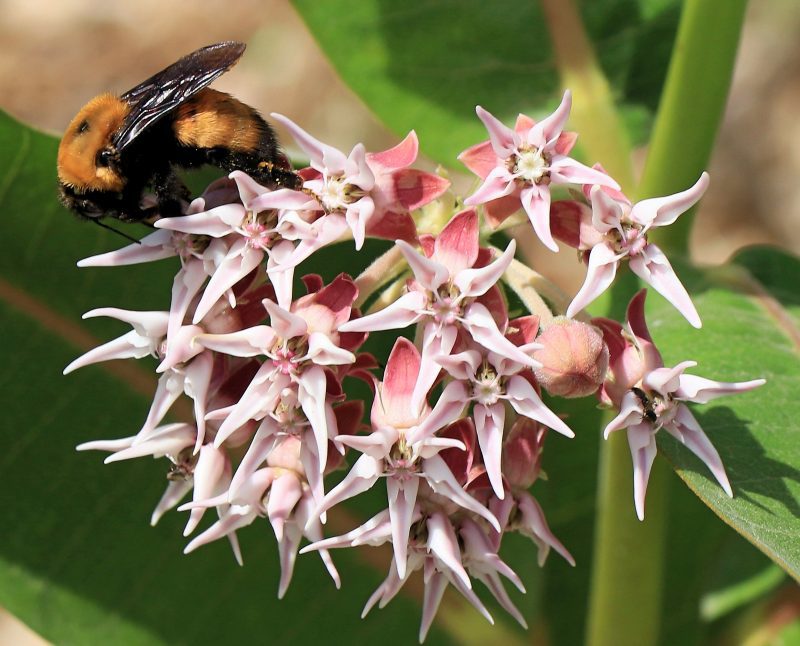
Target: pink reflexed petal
column 357, row 170
column 523, row 398
column 414, row 188
column 376, row 444
column 286, row 199
column 358, row 216
column 702, row 390
column 402, row 498
column 599, row 276
column 168, row 440
column 313, row 531
column 642, row 441
column 653, row 267
column 287, row 552
column 251, row 342
column 128, row 346
column 261, row 396
column 565, row 142
column 443, row 544
column 666, row 380
column 475, row 282
column 216, row 223
column 635, row 316
column 239, row 262
column 686, row 428
column 152, row 247
column 430, row 273
column 362, row 476
column 434, row 445
column 107, row 445
column 631, row 412
column 567, row 170
column 151, row 324
column 208, row 472
column 606, row 211
column 169, row 388
column 536, row 202
column 311, row 395
column 286, row 324
column 399, row 379
column 489, row 427
column 280, row 273
column 435, row 343
column 284, row 494
column 480, row 549
column 400, row 156
column 461, row 366
column 323, row 352
column 443, row 482
column 248, row 188
column 434, row 591
column 260, row 447
column 504, row 140
column 402, row 313
column 226, row 525
column 448, row 408
column 498, row 183
column 376, row 531
column 548, row 130
column 535, row 523
column 456, row 247
column 196, row 385
column 323, row 157
column 480, row 159
column 185, row 287
column 173, row 494
column 479, row 323
column 181, row 347
column 661, row 211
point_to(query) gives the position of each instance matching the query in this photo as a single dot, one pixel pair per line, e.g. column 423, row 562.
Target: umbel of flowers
column 456, row 424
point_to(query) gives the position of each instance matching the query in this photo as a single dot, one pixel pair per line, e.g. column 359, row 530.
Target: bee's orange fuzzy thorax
column 91, row 130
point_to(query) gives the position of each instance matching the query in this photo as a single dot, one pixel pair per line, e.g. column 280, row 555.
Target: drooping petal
column 402, row 313
column 701, row 390
column 443, row 482
column 536, row 202
column 642, row 441
column 599, row 276
column 534, row 525
column 653, row 267
column 489, row 428
column 661, row 211
column 475, row 282
column 504, row 140
column 479, row 323
column 523, row 398
column 402, row 499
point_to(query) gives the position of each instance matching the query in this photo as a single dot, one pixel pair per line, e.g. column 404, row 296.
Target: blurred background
column 57, row 55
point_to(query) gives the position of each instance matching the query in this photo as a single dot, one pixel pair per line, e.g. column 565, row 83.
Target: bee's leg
column 170, row 192
column 276, row 176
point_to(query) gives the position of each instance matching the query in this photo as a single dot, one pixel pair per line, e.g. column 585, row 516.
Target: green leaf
column 79, row 562
column 751, row 323
column 426, row 65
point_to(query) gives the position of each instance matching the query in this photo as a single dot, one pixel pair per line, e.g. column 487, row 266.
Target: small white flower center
column 532, row 165
column 335, row 194
column 487, row 387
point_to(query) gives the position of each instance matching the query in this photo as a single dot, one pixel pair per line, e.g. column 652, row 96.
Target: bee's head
column 87, row 160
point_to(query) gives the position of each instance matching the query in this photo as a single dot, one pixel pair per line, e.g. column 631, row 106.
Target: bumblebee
column 118, row 147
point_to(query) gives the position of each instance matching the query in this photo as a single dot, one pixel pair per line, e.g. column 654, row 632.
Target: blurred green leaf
column 426, row 65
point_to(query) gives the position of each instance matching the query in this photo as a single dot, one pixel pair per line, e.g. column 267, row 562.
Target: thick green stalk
column 692, row 104
column 625, row 597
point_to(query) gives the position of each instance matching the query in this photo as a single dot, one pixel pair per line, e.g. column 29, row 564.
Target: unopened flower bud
column 574, row 358
column 522, row 451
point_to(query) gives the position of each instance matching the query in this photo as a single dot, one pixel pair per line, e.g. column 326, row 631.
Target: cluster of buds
column 457, row 423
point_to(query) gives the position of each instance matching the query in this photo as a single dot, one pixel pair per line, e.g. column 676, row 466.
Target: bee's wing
column 165, row 91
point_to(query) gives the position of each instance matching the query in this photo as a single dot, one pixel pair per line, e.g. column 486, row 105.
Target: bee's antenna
column 117, row 231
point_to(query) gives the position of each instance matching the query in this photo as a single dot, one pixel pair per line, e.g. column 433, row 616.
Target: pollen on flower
column 532, row 165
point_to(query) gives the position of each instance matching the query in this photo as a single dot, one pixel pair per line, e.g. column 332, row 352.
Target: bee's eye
column 83, row 126
column 104, row 157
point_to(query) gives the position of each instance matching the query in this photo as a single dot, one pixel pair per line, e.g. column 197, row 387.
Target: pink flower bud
column 574, row 358
column 522, row 452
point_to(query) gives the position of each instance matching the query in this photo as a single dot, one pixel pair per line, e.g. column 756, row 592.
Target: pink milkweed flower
column 445, row 296
column 279, row 493
column 518, row 166
column 374, row 192
column 490, row 381
column 391, row 451
column 299, row 344
column 614, row 230
column 651, row 397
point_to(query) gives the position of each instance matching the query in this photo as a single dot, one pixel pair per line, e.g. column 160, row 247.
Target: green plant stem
column 625, row 596
column 691, row 106
column 625, row 593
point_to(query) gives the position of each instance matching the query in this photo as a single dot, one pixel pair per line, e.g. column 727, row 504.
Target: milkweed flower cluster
column 456, row 425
